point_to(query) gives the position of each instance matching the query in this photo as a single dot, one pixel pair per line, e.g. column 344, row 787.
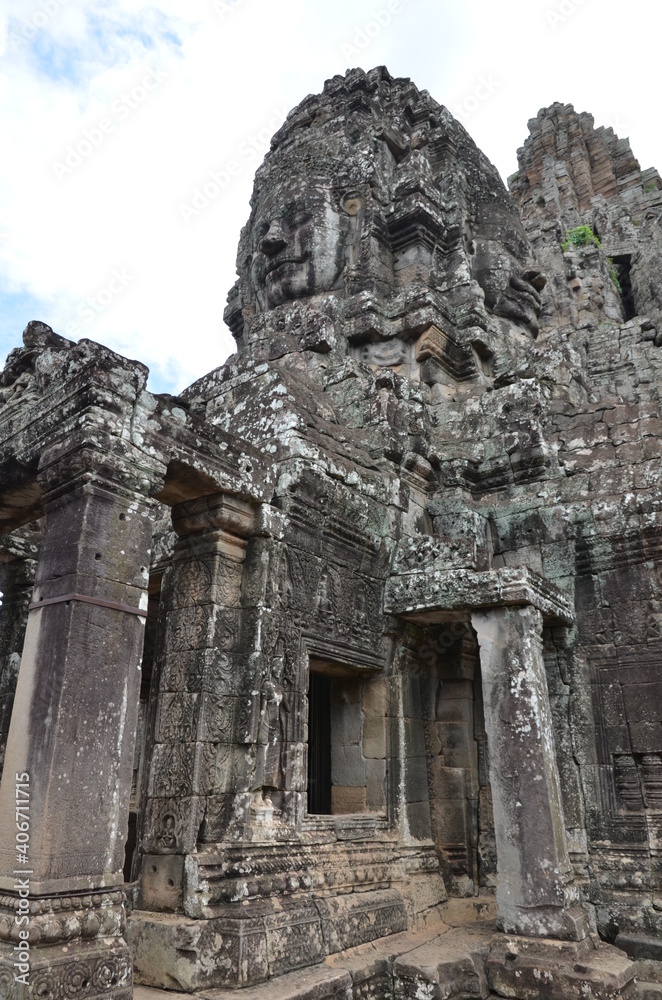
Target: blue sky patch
column 16, row 311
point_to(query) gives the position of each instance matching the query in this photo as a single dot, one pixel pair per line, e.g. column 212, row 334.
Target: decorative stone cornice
column 437, row 595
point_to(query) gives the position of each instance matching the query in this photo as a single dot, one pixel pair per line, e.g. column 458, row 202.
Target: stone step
column 450, row 966
column 648, row 970
column 638, row 946
column 317, row 983
column 649, row 991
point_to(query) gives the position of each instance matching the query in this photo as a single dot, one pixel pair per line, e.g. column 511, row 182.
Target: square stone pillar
column 536, row 894
column 546, row 949
column 65, row 789
column 192, row 778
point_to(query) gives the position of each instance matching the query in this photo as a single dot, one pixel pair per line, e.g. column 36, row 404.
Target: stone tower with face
column 379, row 505
column 375, row 209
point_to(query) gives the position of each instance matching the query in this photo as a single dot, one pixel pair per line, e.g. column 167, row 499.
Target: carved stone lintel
column 436, row 596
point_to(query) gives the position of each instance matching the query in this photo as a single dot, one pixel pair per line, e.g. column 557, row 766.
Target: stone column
column 65, row 791
column 192, row 773
column 16, row 582
column 536, row 895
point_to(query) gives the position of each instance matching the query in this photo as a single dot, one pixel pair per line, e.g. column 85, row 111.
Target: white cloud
column 224, row 76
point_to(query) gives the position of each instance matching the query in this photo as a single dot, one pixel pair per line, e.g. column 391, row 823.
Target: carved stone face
column 298, row 245
column 512, row 290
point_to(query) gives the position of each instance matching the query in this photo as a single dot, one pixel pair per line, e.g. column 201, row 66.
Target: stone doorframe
column 536, row 894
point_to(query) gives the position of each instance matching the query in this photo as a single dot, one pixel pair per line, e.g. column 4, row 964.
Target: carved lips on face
column 298, row 246
column 520, row 300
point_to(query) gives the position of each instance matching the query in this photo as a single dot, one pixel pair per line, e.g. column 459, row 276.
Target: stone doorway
column 347, row 740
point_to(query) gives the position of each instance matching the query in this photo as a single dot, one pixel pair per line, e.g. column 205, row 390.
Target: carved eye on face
column 298, row 219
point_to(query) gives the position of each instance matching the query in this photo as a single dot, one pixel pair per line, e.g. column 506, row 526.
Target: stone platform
column 445, row 964
column 453, row 957
column 446, row 959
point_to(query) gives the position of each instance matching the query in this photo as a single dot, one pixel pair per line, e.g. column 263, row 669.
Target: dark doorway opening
column 319, row 744
column 623, row 266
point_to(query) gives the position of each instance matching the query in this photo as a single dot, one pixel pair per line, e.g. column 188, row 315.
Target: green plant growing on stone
column 613, row 274
column 650, row 187
column 580, row 236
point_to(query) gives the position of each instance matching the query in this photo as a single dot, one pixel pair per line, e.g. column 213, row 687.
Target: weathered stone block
column 161, row 882
column 348, row 799
column 374, row 738
column 348, row 766
column 375, row 785
column 528, row 968
column 414, row 737
column 174, row 952
column 294, row 937
column 95, row 970
column 355, row 918
column 375, row 698
column 416, row 770
column 418, row 819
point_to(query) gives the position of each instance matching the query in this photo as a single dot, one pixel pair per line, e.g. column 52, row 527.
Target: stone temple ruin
column 394, row 574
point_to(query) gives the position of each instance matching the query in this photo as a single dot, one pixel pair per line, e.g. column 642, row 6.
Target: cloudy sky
column 117, row 115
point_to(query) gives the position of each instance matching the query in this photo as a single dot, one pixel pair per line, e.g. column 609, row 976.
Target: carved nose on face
column 274, row 240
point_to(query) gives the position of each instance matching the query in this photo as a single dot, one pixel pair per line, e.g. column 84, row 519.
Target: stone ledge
column 431, row 597
column 308, row 984
column 637, row 946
